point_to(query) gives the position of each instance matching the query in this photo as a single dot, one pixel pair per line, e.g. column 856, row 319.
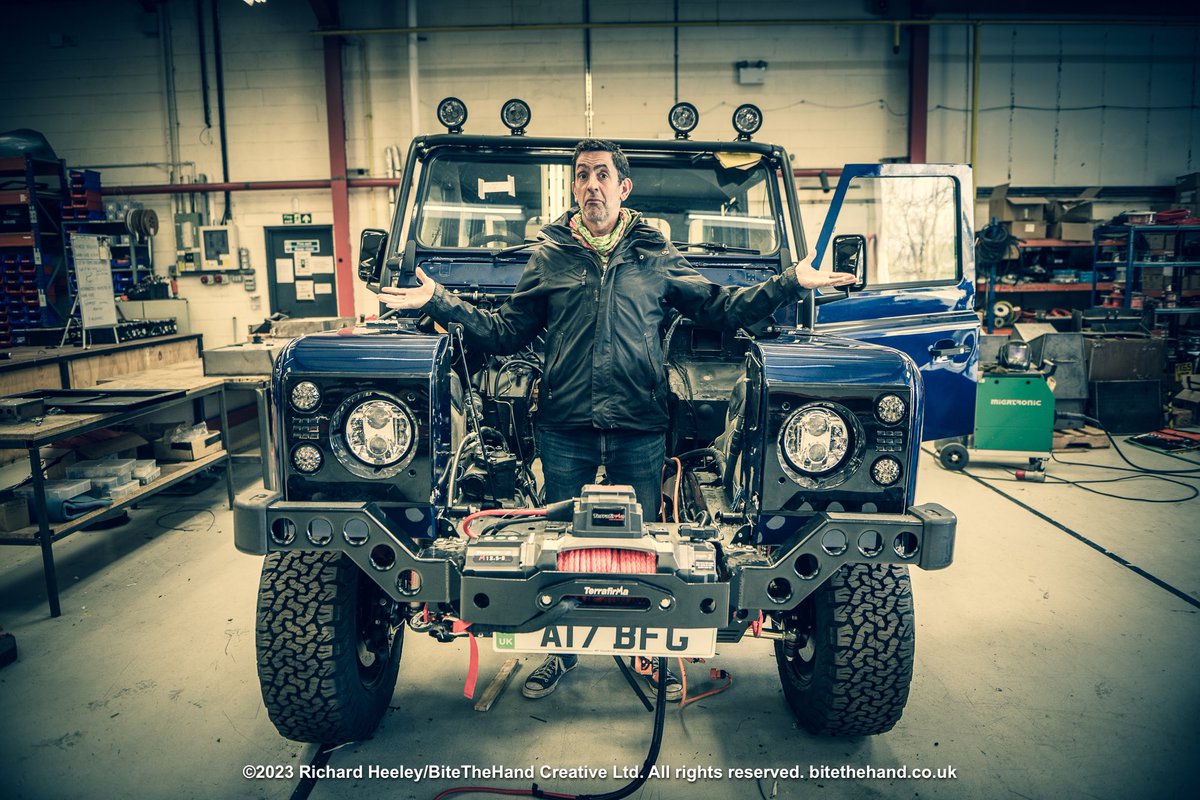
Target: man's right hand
column 409, row 298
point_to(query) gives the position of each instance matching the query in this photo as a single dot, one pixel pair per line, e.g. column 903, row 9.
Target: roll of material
column 141, row 222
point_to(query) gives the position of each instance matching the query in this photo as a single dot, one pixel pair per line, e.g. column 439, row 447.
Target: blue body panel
column 361, row 354
column 377, row 359
column 801, row 359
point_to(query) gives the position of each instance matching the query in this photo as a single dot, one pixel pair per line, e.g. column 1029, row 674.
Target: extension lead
column 660, row 715
column 1033, row 475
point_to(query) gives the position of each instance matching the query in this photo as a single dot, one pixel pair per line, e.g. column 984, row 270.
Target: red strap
column 473, row 664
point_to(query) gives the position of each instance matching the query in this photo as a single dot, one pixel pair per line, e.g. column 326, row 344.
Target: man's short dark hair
column 602, row 146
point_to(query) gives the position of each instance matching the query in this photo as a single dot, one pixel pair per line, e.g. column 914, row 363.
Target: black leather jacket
column 603, row 355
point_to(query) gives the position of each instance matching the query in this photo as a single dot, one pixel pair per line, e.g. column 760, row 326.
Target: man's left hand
column 810, row 278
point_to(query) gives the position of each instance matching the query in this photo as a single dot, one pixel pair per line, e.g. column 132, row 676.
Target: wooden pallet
column 1086, row 438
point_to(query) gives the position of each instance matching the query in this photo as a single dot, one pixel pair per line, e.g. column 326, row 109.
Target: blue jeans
column 570, row 459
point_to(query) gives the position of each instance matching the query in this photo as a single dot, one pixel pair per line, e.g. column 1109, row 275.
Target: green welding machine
column 1014, row 414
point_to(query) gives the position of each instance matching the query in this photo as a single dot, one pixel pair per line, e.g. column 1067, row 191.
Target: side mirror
column 850, row 256
column 372, row 245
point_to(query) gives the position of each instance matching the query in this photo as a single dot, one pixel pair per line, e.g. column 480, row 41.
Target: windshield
column 493, row 201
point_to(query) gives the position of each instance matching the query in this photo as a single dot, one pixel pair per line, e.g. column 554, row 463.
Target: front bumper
column 749, row 580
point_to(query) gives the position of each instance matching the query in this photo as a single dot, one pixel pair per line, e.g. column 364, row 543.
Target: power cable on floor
column 1159, row 582
column 1052, row 479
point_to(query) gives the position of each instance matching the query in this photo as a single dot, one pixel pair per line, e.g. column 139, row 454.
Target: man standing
column 597, row 286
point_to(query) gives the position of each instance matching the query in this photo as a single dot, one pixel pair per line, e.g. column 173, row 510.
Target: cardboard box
column 1154, row 279
column 1010, row 209
column 1110, row 358
column 1026, row 229
column 14, row 514
column 1072, row 231
column 1076, row 209
column 188, row 449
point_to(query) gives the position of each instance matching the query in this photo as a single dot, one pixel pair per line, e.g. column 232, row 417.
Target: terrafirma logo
column 996, row 401
column 605, row 591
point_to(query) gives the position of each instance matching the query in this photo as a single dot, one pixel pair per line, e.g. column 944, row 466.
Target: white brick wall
column 85, row 75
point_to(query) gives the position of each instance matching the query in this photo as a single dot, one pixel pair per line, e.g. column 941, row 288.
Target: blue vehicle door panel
column 920, row 292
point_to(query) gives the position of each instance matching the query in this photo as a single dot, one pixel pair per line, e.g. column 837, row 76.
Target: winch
column 601, row 531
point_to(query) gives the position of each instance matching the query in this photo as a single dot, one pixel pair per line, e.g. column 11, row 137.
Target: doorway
column 300, row 270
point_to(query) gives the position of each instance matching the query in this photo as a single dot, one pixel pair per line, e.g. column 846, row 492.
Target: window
column 911, row 225
column 470, row 200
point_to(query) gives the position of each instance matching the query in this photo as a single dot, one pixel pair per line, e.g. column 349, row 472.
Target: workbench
column 187, row 378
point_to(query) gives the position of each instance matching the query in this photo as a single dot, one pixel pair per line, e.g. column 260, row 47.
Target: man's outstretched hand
column 409, row 298
column 810, row 278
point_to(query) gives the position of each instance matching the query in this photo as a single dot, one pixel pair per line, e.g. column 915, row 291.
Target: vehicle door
column 920, row 288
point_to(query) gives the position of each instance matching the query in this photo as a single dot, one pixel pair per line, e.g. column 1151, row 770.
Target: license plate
column 619, row 641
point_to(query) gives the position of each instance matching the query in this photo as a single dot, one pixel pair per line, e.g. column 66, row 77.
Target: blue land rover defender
column 405, row 489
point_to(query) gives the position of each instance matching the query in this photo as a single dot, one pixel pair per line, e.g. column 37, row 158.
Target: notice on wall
column 304, row 290
column 304, row 267
column 323, row 288
column 284, row 271
column 93, row 278
column 321, row 265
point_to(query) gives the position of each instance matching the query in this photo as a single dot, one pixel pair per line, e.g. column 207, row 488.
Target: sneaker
column 674, row 687
column 546, row 677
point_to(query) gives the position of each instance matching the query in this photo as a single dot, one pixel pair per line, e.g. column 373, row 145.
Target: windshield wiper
column 516, row 248
column 718, row 247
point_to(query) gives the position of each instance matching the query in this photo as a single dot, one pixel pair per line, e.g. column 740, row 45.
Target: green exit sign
column 297, row 219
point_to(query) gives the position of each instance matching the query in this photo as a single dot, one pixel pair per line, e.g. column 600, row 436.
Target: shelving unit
column 132, row 255
column 194, row 387
column 1025, row 252
column 1173, row 249
column 32, row 192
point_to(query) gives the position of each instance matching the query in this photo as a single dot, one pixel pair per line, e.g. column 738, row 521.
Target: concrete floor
column 1045, row 669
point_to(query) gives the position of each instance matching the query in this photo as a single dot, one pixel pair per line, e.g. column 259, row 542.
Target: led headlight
column 307, row 459
column 747, row 119
column 305, row 396
column 452, row 113
column 379, row 433
column 885, row 471
column 683, row 118
column 815, row 440
column 515, row 115
column 890, row 409
column 374, row 435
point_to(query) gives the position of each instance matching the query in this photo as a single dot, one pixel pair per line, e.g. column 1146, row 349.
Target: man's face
column 599, row 190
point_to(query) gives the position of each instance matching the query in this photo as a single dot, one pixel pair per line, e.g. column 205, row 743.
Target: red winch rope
column 607, row 559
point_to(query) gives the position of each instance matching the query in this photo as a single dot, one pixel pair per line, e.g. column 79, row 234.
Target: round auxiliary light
column 515, row 115
column 885, row 471
column 747, row 119
column 890, row 409
column 305, row 396
column 452, row 113
column 814, row 441
column 683, row 118
column 307, row 459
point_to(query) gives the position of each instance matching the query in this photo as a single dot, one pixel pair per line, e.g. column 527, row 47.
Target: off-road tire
column 852, row 662
column 320, row 682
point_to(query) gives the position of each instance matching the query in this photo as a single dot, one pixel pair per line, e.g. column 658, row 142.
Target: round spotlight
column 515, row 115
column 885, row 471
column 683, row 118
column 890, row 409
column 747, row 119
column 305, row 396
column 307, row 459
column 452, row 113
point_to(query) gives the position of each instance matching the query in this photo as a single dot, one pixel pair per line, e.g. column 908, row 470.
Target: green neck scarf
column 603, row 245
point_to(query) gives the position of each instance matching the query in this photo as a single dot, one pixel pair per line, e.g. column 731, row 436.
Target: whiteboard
column 93, row 280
